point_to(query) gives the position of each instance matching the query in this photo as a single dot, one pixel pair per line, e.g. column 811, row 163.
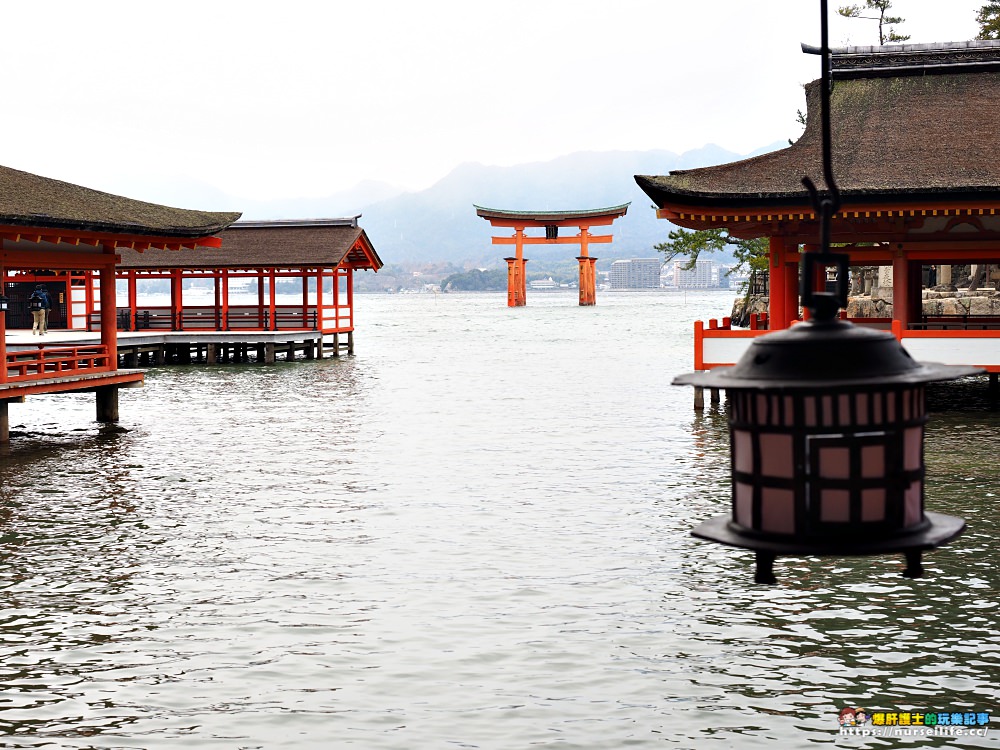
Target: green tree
column 886, row 23
column 750, row 255
column 988, row 19
column 494, row 279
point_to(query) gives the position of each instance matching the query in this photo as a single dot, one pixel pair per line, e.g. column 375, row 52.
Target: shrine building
column 915, row 139
column 67, row 237
column 277, row 285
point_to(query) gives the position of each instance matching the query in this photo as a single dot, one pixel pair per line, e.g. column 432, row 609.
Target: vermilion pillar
column 272, row 302
column 783, row 284
column 588, row 275
column 516, row 285
column 902, row 289
column 791, row 271
column 133, row 300
column 176, row 299
column 320, row 306
column 776, row 285
column 109, row 311
column 224, row 323
column 588, row 280
column 3, row 333
column 217, row 289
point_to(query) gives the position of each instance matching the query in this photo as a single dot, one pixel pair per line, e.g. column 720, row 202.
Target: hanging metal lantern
column 827, row 424
column 827, row 433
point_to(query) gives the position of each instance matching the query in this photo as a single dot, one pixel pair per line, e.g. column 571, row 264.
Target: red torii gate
column 551, row 221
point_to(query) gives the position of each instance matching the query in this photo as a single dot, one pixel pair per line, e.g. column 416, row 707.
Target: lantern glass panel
column 777, row 511
column 835, row 507
column 776, row 455
column 913, row 504
column 742, row 451
column 844, row 403
column 809, row 408
column 863, row 406
column 873, row 505
column 873, row 461
column 835, row 462
column 743, row 504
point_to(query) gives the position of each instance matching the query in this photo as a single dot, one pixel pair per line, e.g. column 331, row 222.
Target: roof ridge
column 347, row 221
column 913, row 59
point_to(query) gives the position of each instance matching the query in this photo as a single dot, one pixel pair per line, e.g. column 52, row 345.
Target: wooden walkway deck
column 146, row 348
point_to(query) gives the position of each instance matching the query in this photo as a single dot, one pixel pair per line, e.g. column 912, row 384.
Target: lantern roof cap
column 822, row 355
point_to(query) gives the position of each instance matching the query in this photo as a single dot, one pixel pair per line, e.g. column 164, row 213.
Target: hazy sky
column 293, row 98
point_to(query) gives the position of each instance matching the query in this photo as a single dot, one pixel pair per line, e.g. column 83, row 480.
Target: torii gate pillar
column 517, row 289
column 588, row 280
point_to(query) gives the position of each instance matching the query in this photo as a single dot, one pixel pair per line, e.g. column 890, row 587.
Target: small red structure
column 915, row 130
column 61, row 234
column 551, row 221
column 314, row 259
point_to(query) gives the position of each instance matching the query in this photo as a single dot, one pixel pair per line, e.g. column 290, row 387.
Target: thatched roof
column 910, row 123
column 307, row 243
column 27, row 200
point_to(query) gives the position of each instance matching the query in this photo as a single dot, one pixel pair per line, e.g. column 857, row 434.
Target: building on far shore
column 706, row 274
column 635, row 273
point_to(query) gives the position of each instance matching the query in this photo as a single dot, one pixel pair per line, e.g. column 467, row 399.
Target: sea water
column 474, row 533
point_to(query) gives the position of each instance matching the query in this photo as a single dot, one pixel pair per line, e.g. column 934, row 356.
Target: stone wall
column 961, row 302
column 744, row 307
column 879, row 305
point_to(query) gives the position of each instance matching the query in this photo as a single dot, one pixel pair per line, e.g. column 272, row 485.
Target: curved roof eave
column 665, row 196
column 29, row 200
column 495, row 213
column 127, row 229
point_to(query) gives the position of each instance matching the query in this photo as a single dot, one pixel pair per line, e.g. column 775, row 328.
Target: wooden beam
column 590, row 221
column 18, row 233
column 56, row 260
column 598, row 239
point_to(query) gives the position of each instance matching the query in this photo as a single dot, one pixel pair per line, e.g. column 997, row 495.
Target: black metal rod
column 823, row 305
column 827, row 204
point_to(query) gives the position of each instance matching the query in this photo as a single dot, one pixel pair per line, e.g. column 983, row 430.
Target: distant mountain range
column 440, row 224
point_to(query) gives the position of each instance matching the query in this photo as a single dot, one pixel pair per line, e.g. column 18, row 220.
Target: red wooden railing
column 49, row 362
column 237, row 317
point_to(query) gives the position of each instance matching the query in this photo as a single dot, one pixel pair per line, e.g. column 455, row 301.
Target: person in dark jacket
column 40, row 304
